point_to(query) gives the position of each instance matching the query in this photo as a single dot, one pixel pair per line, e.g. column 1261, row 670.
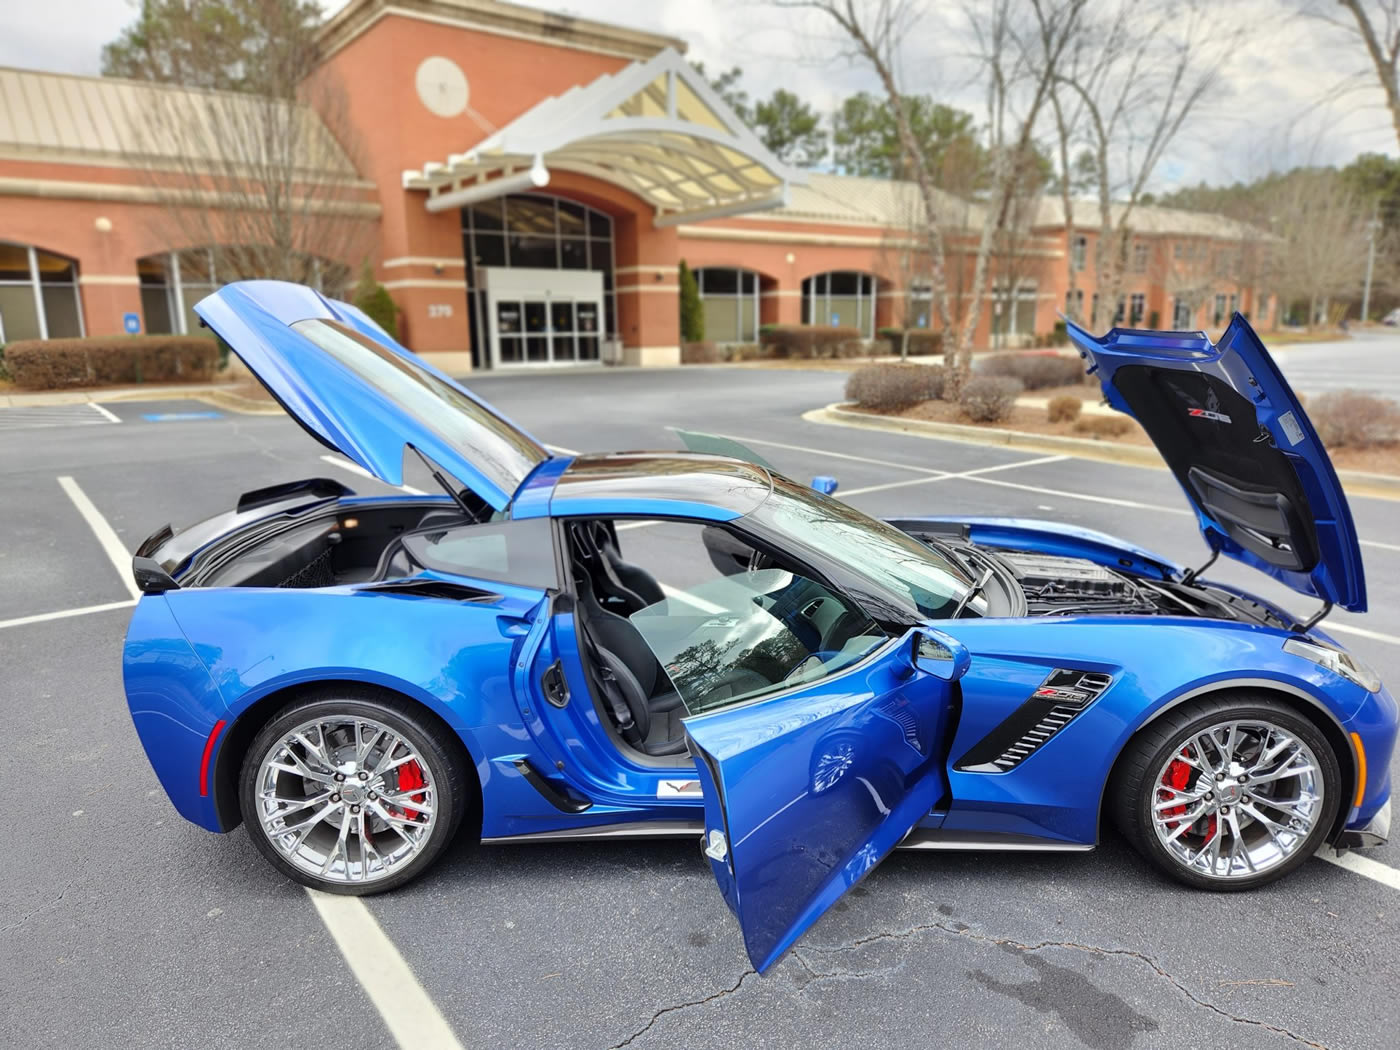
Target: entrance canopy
column 655, row 128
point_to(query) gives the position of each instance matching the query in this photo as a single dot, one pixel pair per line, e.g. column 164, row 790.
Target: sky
column 1294, row 91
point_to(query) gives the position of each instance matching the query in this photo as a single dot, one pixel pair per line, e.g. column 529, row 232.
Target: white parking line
column 1371, row 869
column 355, row 468
column 63, row 614
column 973, row 474
column 112, row 417
column 411, row 1015
column 827, row 453
column 106, row 535
column 676, row 594
column 1361, row 632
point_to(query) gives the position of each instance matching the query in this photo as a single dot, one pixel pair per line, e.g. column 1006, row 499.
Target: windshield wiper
column 972, row 592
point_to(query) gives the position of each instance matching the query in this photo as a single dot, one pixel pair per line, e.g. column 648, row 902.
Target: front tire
column 1227, row 793
column 352, row 791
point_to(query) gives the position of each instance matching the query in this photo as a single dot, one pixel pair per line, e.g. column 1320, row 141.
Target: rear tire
column 1227, row 793
column 354, row 791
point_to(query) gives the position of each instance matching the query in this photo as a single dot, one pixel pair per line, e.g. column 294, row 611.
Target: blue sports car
column 681, row 643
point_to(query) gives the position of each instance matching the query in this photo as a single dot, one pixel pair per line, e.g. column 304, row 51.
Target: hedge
column 50, row 364
column 889, row 387
column 922, row 342
column 1036, row 369
column 811, row 340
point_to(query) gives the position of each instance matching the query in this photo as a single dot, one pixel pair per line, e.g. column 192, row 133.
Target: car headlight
column 1337, row 661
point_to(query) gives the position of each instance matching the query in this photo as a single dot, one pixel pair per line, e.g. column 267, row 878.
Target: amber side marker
column 1360, row 768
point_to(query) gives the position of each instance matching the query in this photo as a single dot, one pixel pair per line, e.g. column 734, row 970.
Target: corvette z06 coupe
column 685, row 643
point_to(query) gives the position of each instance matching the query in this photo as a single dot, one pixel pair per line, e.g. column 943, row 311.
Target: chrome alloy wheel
column 345, row 799
column 1237, row 798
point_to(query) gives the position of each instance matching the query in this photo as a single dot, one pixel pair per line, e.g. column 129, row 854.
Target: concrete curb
column 1356, row 482
column 227, row 399
column 191, row 391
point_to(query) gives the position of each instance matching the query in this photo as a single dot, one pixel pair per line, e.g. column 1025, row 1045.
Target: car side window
column 724, row 621
column 519, row 552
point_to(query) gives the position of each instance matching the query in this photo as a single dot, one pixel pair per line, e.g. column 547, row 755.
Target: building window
column 1137, row 306
column 1261, row 307
column 1014, row 313
column 1140, row 256
column 172, row 283
column 1079, row 251
column 1181, row 315
column 1234, row 305
column 38, row 294
column 730, row 303
column 842, row 298
column 1219, row 308
column 1119, row 312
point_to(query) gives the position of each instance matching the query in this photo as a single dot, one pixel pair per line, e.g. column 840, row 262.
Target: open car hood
column 360, row 393
column 1237, row 439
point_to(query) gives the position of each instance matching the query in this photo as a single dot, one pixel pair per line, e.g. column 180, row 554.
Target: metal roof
column 130, row 123
column 655, row 128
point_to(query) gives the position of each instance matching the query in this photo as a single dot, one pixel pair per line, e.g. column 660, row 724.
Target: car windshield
column 898, row 563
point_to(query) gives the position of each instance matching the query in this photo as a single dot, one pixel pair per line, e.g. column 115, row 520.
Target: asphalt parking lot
column 123, row 926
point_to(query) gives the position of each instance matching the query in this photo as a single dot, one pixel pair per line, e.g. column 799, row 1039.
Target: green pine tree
column 692, row 313
column 374, row 299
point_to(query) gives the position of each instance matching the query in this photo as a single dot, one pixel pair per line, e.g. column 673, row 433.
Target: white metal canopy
column 655, row 128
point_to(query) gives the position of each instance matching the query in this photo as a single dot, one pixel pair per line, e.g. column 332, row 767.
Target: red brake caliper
column 410, row 777
column 1178, row 776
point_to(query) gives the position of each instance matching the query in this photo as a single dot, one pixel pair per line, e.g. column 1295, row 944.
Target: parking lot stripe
column 412, row 1017
column 1371, row 869
column 111, row 417
column 106, row 535
column 63, row 614
column 828, row 453
column 1362, row 632
column 355, row 468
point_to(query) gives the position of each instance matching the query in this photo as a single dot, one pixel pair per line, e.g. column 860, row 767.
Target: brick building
column 525, row 185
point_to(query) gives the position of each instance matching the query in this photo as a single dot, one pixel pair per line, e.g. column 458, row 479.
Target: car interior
column 752, row 642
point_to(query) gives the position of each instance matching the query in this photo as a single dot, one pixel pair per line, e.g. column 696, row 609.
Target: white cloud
column 1274, row 106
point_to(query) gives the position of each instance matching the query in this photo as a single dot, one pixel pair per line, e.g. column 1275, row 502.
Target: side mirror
column 825, row 484
column 939, row 654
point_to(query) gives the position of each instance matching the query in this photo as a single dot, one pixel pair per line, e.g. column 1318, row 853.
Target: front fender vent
column 1054, row 704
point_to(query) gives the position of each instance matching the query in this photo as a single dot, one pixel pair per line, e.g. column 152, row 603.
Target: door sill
column 932, row 839
column 642, row 829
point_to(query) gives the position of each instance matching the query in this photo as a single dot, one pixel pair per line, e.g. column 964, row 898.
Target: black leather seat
column 631, row 676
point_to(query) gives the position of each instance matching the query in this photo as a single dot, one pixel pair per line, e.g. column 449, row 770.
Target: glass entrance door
column 549, row 330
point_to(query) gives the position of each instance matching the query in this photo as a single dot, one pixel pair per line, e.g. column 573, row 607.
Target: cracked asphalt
column 123, row 926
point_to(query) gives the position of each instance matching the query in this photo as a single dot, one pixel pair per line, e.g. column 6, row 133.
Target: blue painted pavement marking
column 178, row 417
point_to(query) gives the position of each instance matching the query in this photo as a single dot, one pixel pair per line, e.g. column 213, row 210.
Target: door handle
column 554, row 685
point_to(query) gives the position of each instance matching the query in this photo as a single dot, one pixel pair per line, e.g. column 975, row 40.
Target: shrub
column 692, row 309
column 1036, row 370
column 1100, row 426
column 374, row 299
column 922, row 342
column 4, row 375
column 989, row 399
column 811, row 340
column 1349, row 418
column 702, row 353
column 1063, row 409
column 1154, row 320
column 50, row 364
column 892, row 387
column 1059, row 336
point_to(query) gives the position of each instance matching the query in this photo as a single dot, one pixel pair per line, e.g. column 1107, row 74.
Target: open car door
column 805, row 792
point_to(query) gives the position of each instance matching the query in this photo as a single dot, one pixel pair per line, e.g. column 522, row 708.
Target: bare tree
column 1018, row 57
column 1320, row 226
column 263, row 177
column 1137, row 83
column 1377, row 25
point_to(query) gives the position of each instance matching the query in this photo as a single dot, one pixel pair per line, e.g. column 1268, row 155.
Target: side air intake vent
column 1052, row 706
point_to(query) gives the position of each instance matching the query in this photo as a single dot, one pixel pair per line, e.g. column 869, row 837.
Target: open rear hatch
column 1236, row 437
column 360, row 393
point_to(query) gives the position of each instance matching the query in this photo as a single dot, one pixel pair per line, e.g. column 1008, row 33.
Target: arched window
column 730, row 298
column 38, row 294
column 173, row 282
column 843, row 298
